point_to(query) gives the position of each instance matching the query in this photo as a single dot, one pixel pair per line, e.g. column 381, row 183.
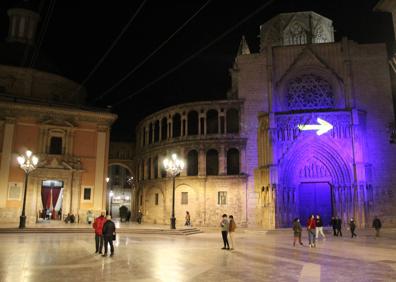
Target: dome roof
column 20, row 55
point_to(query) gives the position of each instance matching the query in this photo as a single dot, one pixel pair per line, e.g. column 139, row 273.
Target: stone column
column 242, row 160
column 218, row 123
column 222, row 161
column 201, row 162
column 160, row 130
column 183, row 157
column 41, row 148
column 186, row 119
column 225, row 121
column 152, row 133
column 100, row 168
column 205, row 125
column 6, row 155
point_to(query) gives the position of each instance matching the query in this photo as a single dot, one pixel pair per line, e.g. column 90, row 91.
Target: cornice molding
column 9, row 110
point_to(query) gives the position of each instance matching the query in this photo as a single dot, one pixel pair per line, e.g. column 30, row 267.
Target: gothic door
column 315, row 198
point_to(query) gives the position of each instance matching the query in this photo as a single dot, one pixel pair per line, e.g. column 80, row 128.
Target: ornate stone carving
column 309, row 91
column 313, row 169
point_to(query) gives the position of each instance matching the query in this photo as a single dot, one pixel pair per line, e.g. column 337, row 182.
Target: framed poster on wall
column 15, row 191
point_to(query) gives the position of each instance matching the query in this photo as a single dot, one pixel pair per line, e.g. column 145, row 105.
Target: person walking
column 333, row 223
column 311, row 226
column 352, row 227
column 139, row 216
column 377, row 226
column 108, row 235
column 339, row 226
column 231, row 230
column 188, row 219
column 319, row 228
column 224, row 232
column 98, row 226
column 297, row 230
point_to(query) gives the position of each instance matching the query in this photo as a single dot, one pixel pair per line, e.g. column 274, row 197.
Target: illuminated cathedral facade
column 305, row 130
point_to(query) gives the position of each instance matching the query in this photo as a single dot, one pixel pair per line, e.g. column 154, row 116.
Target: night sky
column 80, row 32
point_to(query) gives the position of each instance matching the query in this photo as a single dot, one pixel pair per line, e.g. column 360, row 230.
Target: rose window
column 309, row 92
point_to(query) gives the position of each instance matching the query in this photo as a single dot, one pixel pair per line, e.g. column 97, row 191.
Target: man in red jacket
column 98, row 226
column 311, row 226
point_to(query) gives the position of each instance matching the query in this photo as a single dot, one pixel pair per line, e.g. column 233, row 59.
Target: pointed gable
column 307, row 58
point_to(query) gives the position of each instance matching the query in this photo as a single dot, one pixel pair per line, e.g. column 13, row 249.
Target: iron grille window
column 222, row 198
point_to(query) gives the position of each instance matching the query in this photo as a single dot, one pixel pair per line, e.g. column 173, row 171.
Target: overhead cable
column 43, row 31
column 100, row 61
column 188, row 59
column 128, row 75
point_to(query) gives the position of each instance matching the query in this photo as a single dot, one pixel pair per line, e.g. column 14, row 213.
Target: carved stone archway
column 313, row 160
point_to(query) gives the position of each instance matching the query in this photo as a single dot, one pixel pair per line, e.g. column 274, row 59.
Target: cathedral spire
column 243, row 47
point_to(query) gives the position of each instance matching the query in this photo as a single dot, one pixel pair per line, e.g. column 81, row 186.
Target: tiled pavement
column 258, row 256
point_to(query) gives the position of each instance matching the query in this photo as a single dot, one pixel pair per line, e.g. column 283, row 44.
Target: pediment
column 57, row 123
column 55, row 162
column 307, row 58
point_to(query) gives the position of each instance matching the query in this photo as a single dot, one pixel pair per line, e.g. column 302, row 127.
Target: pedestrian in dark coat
column 339, row 226
column 139, row 216
column 224, row 224
column 108, row 235
column 297, row 230
column 334, row 225
column 352, row 226
column 377, row 225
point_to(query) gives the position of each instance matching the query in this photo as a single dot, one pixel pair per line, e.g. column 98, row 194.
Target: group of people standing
column 228, row 227
column 105, row 232
column 315, row 228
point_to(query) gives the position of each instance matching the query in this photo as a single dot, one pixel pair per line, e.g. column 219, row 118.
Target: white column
column 6, row 154
column 100, row 169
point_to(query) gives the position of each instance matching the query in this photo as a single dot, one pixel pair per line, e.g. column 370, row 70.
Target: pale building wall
column 202, row 189
column 79, row 166
column 202, row 200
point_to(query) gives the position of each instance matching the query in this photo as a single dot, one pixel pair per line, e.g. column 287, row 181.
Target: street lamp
column 28, row 163
column 107, row 188
column 173, row 167
column 110, row 201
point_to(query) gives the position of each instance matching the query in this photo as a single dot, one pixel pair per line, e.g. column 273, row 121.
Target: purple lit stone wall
column 344, row 83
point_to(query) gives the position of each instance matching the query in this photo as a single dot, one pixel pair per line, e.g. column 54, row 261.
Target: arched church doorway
column 314, row 179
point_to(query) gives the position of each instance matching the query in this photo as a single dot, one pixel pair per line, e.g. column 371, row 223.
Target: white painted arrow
column 321, row 128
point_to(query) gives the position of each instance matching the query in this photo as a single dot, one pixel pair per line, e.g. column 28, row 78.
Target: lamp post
column 173, row 167
column 28, row 162
column 110, row 201
column 107, row 188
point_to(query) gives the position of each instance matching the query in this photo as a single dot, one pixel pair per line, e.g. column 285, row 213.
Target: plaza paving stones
column 259, row 256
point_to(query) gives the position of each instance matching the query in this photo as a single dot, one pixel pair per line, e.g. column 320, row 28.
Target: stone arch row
column 199, row 162
column 191, row 122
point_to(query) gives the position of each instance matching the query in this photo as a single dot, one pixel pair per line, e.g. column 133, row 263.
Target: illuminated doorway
column 315, row 198
column 51, row 197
